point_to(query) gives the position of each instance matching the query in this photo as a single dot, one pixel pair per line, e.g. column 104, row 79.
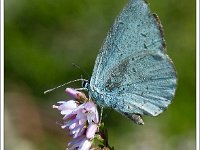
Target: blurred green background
column 42, row 40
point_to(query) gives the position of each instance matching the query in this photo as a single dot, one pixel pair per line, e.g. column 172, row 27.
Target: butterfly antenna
column 85, row 73
column 47, row 91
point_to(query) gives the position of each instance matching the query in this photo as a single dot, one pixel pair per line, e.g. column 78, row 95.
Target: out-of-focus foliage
column 42, row 40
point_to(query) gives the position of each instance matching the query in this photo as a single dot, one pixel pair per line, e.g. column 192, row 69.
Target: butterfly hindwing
column 141, row 84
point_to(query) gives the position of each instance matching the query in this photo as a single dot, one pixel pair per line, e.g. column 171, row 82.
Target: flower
column 91, row 130
column 80, row 120
column 81, row 143
column 66, row 107
column 76, row 94
column 73, row 93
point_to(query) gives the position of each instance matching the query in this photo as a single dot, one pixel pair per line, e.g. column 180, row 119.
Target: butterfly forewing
column 132, row 73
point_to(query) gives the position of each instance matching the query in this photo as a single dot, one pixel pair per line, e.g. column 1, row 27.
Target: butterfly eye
column 85, row 84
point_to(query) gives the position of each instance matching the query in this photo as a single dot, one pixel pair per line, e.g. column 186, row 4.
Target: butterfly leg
column 101, row 114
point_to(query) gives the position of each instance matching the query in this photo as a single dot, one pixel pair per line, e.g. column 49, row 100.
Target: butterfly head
column 85, row 84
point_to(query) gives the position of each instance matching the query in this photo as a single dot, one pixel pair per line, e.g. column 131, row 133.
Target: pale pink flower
column 80, row 120
column 91, row 130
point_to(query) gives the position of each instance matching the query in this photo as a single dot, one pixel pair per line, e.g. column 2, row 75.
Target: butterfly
column 132, row 72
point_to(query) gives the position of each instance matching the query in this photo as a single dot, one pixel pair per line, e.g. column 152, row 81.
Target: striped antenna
column 47, row 91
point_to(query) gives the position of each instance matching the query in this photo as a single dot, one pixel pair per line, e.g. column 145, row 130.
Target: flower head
column 81, row 120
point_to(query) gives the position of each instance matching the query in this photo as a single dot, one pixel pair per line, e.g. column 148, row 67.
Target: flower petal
column 90, row 106
column 91, row 130
column 76, row 142
column 73, row 93
column 66, row 112
column 78, row 131
column 71, row 104
column 85, row 144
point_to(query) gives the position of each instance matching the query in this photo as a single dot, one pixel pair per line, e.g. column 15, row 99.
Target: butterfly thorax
column 94, row 93
column 97, row 96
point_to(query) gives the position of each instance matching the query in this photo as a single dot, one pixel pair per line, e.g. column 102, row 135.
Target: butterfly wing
column 132, row 73
column 133, row 31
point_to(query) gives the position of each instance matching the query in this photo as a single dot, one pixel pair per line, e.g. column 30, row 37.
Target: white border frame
column 2, row 75
column 197, row 75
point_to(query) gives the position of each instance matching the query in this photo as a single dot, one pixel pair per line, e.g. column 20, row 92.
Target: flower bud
column 76, row 94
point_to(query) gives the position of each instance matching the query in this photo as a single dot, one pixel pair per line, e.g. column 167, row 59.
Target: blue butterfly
column 132, row 73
